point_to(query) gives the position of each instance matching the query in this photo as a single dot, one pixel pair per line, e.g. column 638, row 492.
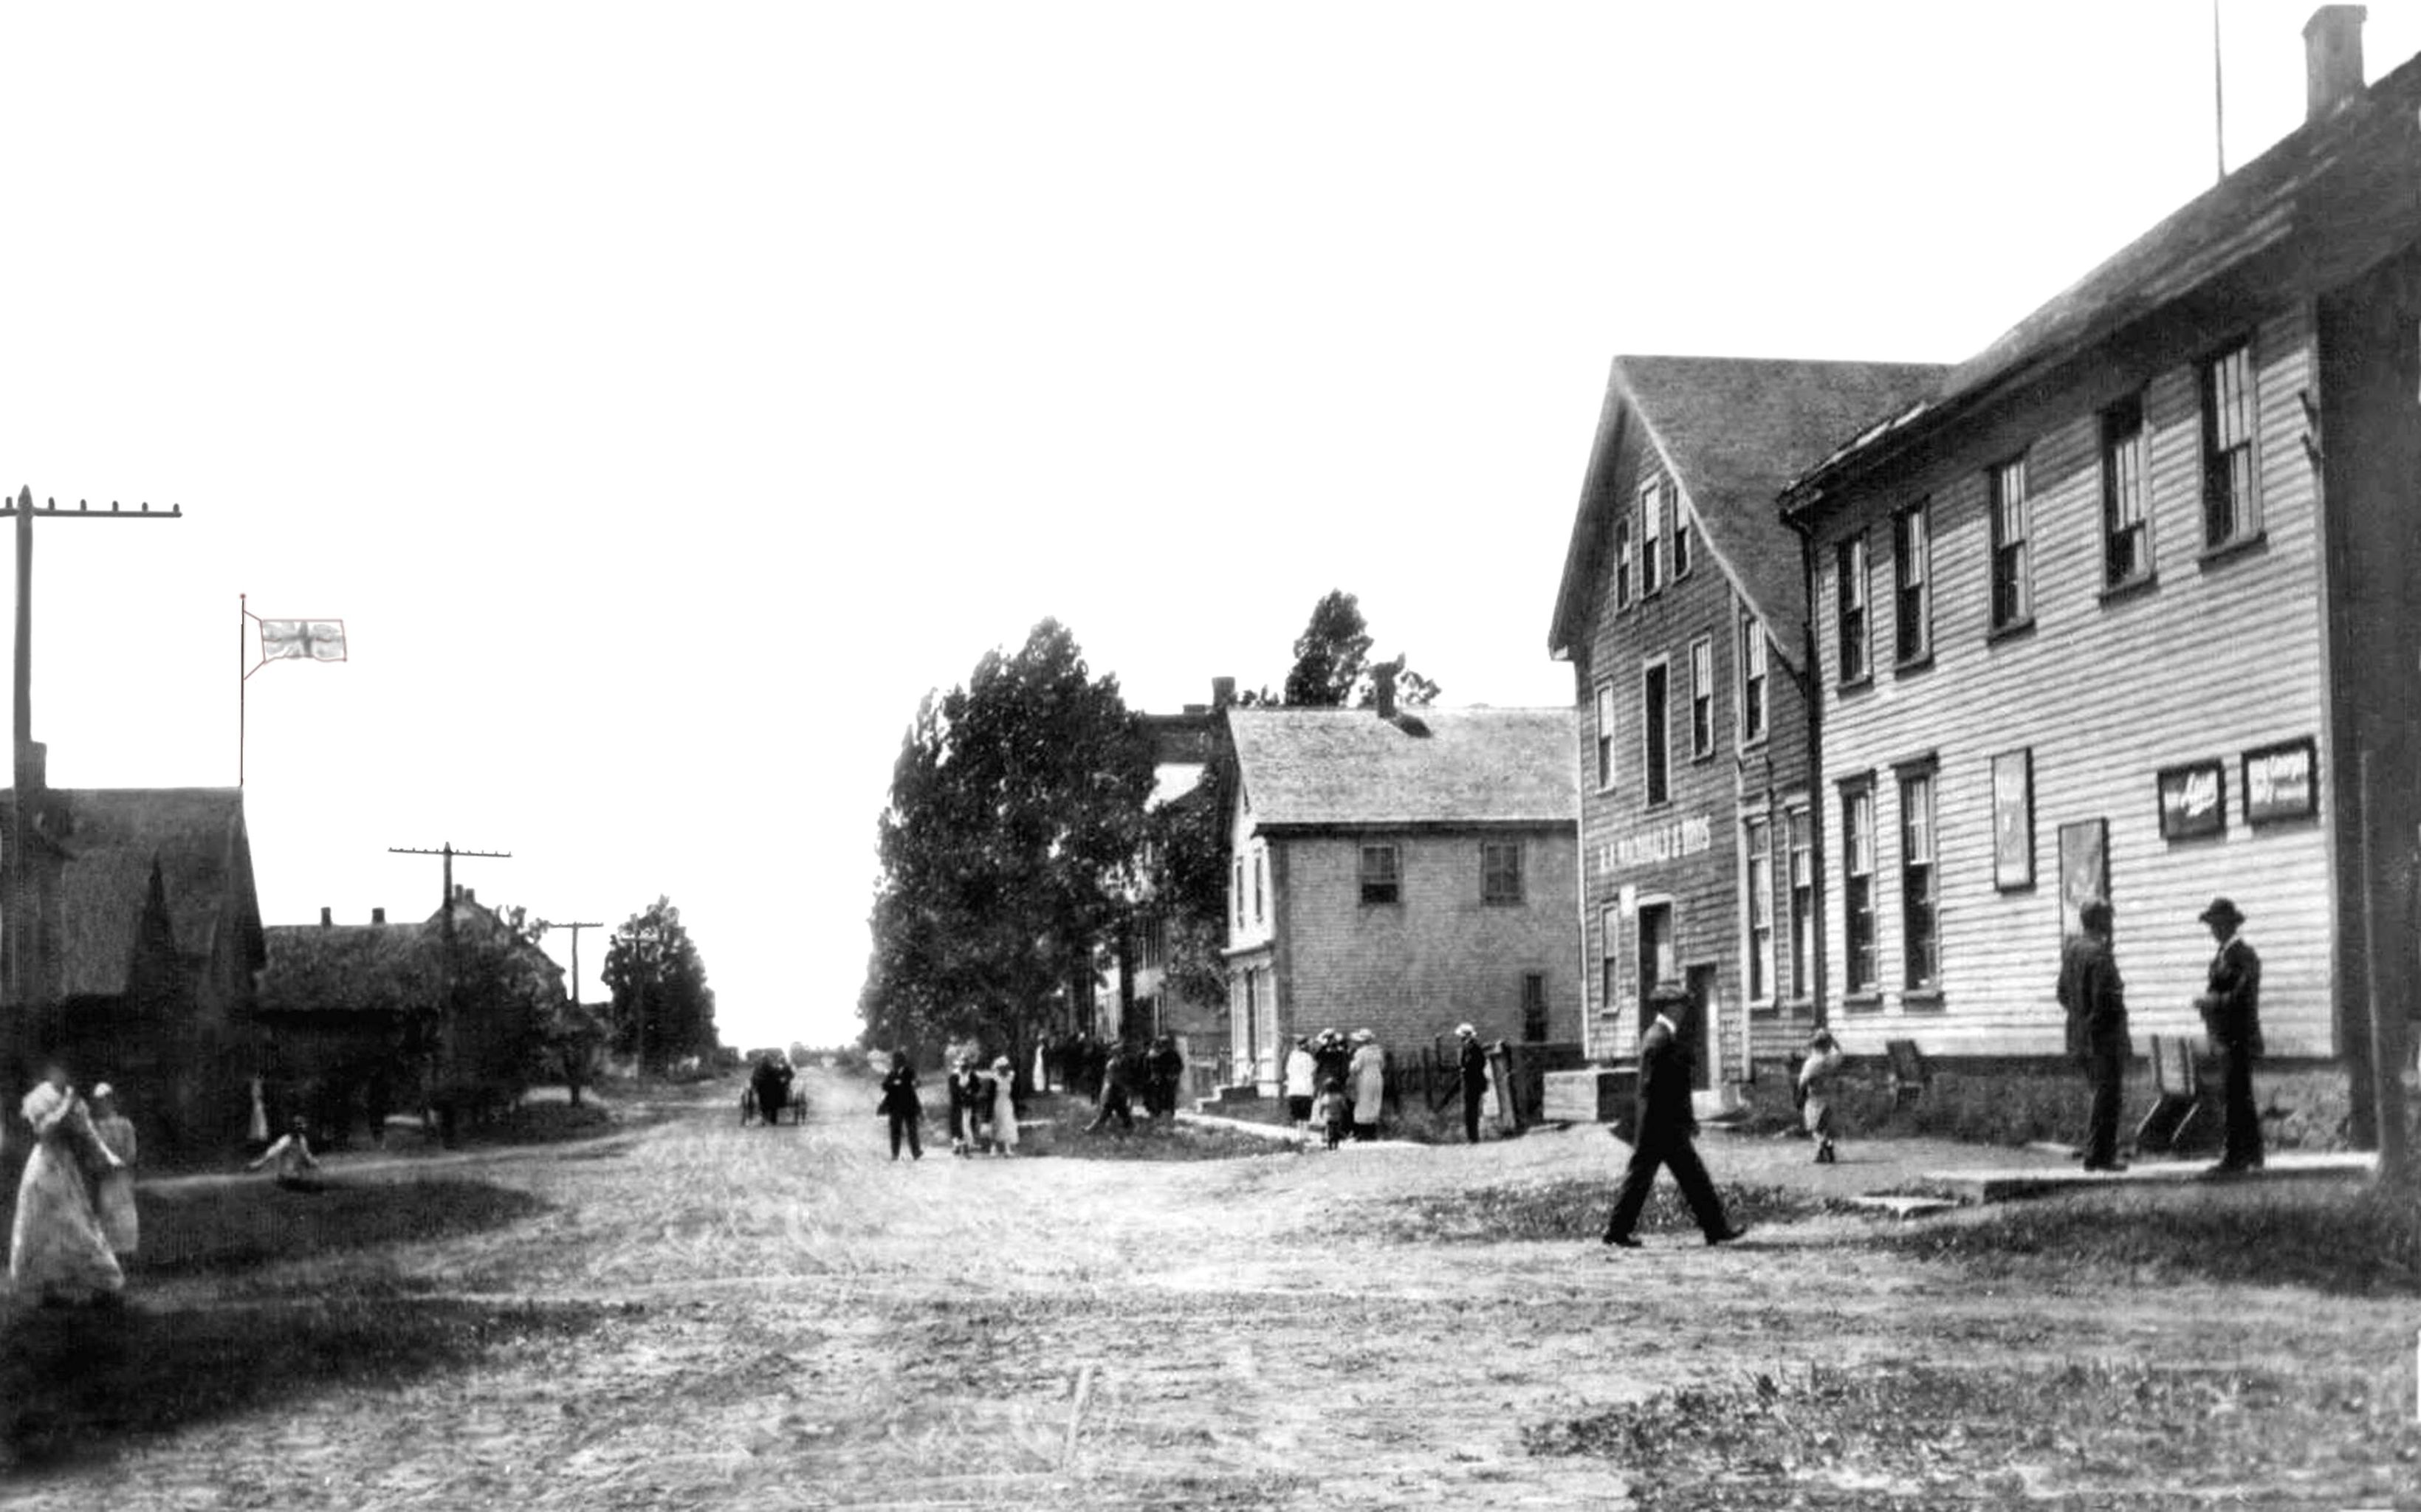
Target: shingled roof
column 348, row 968
column 2331, row 198
column 1343, row 768
column 1732, row 431
column 109, row 842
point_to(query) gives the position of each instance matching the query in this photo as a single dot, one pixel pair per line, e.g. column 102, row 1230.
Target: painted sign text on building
column 1686, row 837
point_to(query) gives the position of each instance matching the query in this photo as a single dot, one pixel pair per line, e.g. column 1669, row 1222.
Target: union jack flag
column 305, row 640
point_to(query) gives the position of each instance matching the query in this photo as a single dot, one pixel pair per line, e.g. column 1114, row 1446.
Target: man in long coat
column 2095, row 1000
column 2231, row 1010
column 1473, row 1062
column 1666, row 1126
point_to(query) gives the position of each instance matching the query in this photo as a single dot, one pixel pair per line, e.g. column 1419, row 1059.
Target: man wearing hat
column 2231, row 1010
column 2095, row 1000
column 1666, row 1124
column 1474, row 1080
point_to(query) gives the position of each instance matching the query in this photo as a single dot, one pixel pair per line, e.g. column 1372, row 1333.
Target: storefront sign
column 2194, row 800
column 1665, row 842
column 2281, row 782
column 2013, row 821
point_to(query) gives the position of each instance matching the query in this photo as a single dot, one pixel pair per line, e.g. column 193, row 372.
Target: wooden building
column 1401, row 871
column 2125, row 607
column 146, row 937
column 1681, row 612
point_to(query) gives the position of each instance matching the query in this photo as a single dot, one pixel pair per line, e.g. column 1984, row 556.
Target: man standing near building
column 1474, row 1080
column 1666, row 1125
column 2095, row 1001
column 2231, row 1010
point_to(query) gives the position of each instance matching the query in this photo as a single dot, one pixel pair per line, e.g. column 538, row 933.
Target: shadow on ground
column 244, row 1224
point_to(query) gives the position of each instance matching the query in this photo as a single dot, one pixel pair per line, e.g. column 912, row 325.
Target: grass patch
column 2107, row 1434
column 2357, row 1242
column 1574, row 1209
column 1153, row 1139
column 77, row 1382
column 239, row 1225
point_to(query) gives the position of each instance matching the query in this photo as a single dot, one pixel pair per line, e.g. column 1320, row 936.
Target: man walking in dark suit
column 2095, row 1000
column 1474, row 1065
column 2231, row 1010
column 1666, row 1125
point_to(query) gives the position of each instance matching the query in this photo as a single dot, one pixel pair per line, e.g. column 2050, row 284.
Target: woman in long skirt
column 113, row 1196
column 57, row 1250
column 1004, row 1108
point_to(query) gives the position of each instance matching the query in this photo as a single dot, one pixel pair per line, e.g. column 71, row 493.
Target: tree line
column 1020, row 840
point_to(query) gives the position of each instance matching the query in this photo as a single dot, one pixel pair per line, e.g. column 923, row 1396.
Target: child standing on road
column 1333, row 1111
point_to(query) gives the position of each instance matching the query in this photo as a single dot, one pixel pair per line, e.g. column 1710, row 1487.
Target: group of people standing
column 75, row 1229
column 768, row 1087
column 2095, row 998
column 1336, row 1084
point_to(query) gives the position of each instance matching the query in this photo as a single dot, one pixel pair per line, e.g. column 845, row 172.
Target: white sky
column 668, row 396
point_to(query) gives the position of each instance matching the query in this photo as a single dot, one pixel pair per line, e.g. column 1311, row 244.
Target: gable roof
column 1326, row 767
column 1732, row 431
column 2330, row 200
column 108, row 842
column 348, row 968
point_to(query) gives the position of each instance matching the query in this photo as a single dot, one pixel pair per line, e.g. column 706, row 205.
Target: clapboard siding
column 1705, row 889
column 2211, row 659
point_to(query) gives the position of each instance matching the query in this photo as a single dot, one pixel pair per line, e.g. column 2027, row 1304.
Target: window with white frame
column 1655, row 739
column 1605, row 750
column 1760, row 909
column 1681, row 544
column 1858, row 888
column 2013, row 588
column 1753, row 680
column 1918, row 885
column 1912, row 584
column 1260, row 885
column 2126, row 533
column 1500, row 871
column 1240, row 892
column 1802, row 905
column 1702, row 698
column 1622, row 563
column 1849, row 609
column 2230, row 506
column 1609, row 939
column 1652, row 536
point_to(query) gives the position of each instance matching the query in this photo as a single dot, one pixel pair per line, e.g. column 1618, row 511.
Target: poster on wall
column 2013, row 821
column 2083, row 870
column 2281, row 782
column 2194, row 800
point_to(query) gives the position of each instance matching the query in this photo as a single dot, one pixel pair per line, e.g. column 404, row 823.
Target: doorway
column 1706, row 1001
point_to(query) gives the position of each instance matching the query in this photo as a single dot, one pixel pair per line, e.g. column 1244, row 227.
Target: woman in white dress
column 1004, row 1108
column 55, row 1248
column 1368, row 1086
column 113, row 1196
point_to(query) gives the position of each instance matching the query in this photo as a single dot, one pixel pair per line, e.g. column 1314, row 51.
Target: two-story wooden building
column 1681, row 611
column 1401, row 871
column 2127, row 607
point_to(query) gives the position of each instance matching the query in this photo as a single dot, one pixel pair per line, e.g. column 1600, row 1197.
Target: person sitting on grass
column 1332, row 1111
column 293, row 1153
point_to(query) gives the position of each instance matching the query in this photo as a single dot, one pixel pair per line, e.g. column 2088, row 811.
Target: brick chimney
column 327, row 916
column 378, row 915
column 1384, row 680
column 2332, row 58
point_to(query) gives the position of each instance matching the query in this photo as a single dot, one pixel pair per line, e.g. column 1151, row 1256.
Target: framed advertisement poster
column 2083, row 870
column 2194, row 800
column 2281, row 782
column 2013, row 821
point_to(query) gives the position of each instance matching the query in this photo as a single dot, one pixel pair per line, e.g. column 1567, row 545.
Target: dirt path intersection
column 786, row 1317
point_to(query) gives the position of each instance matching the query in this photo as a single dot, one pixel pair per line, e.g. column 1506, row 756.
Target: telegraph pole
column 445, row 934
column 24, row 982
column 575, row 928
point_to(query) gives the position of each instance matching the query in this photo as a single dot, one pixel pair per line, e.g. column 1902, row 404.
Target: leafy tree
column 1008, row 849
column 662, row 1010
column 502, row 991
column 1332, row 662
column 576, row 1036
column 1185, row 886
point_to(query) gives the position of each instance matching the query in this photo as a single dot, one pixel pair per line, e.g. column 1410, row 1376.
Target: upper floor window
column 1500, row 871
column 1850, row 571
column 2126, row 536
column 2013, row 595
column 1912, row 584
column 1753, row 680
column 1680, row 532
column 1802, row 905
column 1858, row 886
column 1654, row 737
column 1919, row 887
column 1240, row 892
column 1381, row 882
column 1261, row 884
column 2229, row 508
column 1652, row 536
column 1604, row 736
column 1622, row 563
column 1702, row 698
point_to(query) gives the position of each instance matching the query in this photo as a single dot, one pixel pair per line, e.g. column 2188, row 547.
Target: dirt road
column 786, row 1317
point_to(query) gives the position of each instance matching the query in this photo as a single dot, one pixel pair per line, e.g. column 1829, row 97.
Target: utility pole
column 446, row 1008
column 575, row 928
column 22, row 979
